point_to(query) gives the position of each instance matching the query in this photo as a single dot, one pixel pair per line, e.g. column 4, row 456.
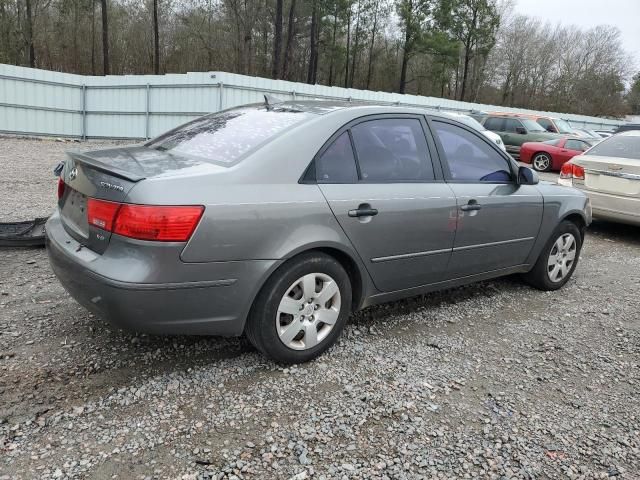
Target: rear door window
column 337, row 164
column 469, row 157
column 392, row 150
column 225, row 138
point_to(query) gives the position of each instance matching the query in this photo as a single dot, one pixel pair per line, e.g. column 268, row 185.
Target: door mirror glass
column 526, row 176
column 521, row 130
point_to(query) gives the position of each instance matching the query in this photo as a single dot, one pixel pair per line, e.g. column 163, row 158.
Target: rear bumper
column 615, row 208
column 215, row 301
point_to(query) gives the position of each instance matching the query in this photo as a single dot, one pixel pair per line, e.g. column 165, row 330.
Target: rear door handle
column 363, row 212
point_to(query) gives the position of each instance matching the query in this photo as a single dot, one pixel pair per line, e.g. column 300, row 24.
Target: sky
column 624, row 14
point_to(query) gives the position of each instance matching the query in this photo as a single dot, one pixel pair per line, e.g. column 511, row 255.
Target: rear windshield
column 553, row 142
column 617, row 146
column 225, row 137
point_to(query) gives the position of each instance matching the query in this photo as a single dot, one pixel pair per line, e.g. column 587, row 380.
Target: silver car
column 609, row 173
column 279, row 220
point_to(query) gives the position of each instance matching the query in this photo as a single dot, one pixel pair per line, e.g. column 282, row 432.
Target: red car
column 552, row 154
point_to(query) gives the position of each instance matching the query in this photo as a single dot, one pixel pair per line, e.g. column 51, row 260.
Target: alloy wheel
column 541, row 162
column 308, row 311
column 561, row 257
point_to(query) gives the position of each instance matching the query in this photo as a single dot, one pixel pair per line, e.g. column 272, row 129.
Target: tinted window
column 512, row 125
column 546, row 124
column 224, row 137
column 576, row 145
column 495, row 124
column 337, row 163
column 618, row 146
column 470, row 158
column 392, row 150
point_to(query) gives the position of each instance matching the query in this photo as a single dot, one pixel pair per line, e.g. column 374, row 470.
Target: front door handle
column 471, row 206
column 363, row 212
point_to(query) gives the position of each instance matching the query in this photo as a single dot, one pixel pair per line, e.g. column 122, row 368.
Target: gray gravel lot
column 493, row 380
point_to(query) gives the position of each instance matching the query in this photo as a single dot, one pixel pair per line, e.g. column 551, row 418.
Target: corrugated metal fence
column 40, row 102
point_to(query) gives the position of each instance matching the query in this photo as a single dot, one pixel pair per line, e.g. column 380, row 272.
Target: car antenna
column 270, row 101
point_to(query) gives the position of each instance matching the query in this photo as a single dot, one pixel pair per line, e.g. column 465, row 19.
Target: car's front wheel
column 541, row 162
column 301, row 309
column 558, row 259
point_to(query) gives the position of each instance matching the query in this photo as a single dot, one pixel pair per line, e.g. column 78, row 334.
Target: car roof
column 519, row 115
column 629, row 133
column 324, row 107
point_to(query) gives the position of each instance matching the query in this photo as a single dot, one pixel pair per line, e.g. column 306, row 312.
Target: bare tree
column 156, row 40
column 313, row 43
column 277, row 40
column 291, row 33
column 105, row 37
column 29, row 34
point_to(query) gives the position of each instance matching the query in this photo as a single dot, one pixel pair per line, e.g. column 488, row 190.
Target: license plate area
column 74, row 212
column 612, row 184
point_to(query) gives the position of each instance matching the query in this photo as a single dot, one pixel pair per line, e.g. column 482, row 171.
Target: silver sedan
column 609, row 173
column 278, row 220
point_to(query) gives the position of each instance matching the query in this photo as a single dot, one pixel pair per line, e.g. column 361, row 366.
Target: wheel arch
column 350, row 261
column 361, row 283
column 578, row 218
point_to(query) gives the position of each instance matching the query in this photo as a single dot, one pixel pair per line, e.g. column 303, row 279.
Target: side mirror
column 526, row 176
column 521, row 130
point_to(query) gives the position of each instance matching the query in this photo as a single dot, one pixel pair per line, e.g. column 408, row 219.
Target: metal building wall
column 40, row 102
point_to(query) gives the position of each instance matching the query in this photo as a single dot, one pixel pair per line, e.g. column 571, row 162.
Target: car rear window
column 225, row 137
column 619, row 146
column 553, row 142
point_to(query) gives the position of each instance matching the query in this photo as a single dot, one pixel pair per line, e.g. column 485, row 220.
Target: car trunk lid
column 86, row 176
column 616, row 176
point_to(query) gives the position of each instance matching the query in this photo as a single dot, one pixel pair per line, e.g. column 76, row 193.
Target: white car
column 609, row 173
column 471, row 122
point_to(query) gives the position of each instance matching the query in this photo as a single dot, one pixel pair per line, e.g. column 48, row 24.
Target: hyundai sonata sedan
column 279, row 220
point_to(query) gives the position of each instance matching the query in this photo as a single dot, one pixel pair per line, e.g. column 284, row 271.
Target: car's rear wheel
column 301, row 310
column 558, row 259
column 541, row 162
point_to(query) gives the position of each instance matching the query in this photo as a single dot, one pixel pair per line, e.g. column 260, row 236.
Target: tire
column 541, row 162
column 555, row 265
column 288, row 337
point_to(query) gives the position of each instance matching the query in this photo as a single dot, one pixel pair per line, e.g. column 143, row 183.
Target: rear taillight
column 578, row 172
column 570, row 171
column 165, row 224
column 60, row 188
column 566, row 171
column 101, row 213
column 145, row 222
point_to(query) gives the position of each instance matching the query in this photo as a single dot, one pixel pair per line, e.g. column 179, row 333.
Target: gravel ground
column 493, row 380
